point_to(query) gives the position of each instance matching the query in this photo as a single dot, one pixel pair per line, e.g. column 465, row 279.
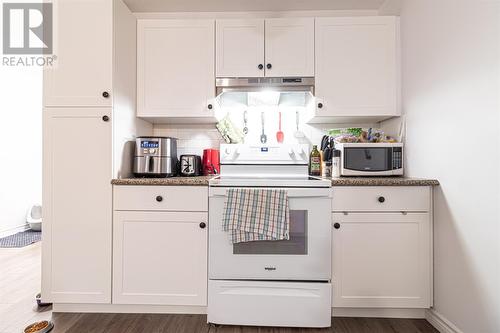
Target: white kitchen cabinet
column 240, row 48
column 289, row 47
column 77, row 205
column 381, row 260
column 83, row 37
column 382, row 257
column 265, row 47
column 160, row 258
column 175, row 68
column 357, row 67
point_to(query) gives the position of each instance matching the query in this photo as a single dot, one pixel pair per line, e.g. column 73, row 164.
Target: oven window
column 367, row 159
column 296, row 245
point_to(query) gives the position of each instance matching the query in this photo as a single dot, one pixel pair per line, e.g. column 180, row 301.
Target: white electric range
column 271, row 283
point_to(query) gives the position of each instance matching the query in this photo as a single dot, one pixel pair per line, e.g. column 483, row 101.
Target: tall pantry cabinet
column 88, row 122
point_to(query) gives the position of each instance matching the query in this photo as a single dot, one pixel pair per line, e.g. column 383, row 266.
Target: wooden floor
column 126, row 323
column 20, row 281
column 20, row 271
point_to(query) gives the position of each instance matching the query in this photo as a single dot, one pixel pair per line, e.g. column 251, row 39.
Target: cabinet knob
column 210, row 106
column 320, row 105
column 105, row 118
column 159, row 198
column 336, row 225
column 261, row 67
column 203, row 225
column 269, row 66
column 105, row 94
column 381, row 199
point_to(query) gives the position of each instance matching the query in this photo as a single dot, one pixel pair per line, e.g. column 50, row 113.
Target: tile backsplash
column 194, row 138
column 191, row 138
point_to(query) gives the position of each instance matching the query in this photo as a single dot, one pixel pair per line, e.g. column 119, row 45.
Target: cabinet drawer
column 382, row 198
column 161, row 198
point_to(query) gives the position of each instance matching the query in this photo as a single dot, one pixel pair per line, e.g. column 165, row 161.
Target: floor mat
column 21, row 239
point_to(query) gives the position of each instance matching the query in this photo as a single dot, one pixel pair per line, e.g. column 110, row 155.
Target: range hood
column 291, row 91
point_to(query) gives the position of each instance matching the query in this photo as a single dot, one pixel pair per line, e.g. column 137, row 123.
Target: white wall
column 450, row 58
column 21, row 147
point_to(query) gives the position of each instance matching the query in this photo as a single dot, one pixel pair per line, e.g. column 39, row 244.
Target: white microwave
column 371, row 159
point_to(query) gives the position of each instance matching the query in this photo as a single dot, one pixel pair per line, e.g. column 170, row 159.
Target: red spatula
column 280, row 136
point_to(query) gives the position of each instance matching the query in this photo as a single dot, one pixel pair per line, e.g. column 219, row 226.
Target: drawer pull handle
column 336, row 225
column 381, row 199
column 203, row 225
column 159, row 198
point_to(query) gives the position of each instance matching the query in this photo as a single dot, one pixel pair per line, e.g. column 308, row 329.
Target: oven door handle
column 292, row 193
column 217, row 195
column 289, row 197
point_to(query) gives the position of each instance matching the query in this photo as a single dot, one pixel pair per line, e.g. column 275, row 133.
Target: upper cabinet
column 82, row 73
column 289, row 47
column 175, row 68
column 240, row 48
column 354, row 60
column 271, row 47
column 357, row 67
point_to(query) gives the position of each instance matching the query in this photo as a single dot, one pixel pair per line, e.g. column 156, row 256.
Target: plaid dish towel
column 256, row 215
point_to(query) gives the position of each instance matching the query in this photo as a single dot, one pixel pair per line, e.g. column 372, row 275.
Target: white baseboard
column 14, row 230
column 379, row 313
column 127, row 308
column 442, row 324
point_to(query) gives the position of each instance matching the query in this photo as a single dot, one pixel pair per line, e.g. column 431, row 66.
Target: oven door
column 306, row 256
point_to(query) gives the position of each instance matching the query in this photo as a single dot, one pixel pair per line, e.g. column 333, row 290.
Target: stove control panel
column 265, row 154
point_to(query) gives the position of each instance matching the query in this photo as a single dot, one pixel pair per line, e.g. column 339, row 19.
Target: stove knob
column 227, row 151
column 291, row 152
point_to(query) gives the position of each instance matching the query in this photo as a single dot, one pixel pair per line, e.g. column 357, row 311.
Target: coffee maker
column 155, row 157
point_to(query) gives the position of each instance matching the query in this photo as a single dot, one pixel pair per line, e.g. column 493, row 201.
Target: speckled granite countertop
column 173, row 181
column 344, row 181
column 383, row 181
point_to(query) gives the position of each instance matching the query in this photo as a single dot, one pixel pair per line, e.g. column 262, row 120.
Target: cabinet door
column 159, row 258
column 357, row 66
column 83, row 37
column 175, row 68
column 382, row 260
column 77, row 206
column 290, row 47
column 240, row 48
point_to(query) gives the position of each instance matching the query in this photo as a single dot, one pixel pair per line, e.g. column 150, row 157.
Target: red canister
column 211, row 162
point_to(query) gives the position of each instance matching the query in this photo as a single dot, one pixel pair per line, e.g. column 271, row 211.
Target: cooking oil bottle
column 315, row 162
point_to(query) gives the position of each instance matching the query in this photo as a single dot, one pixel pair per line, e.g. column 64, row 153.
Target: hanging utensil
column 280, row 136
column 245, row 122
column 298, row 134
column 263, row 137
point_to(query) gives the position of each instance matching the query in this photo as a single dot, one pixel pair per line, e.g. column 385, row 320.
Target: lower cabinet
column 382, row 258
column 160, row 258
